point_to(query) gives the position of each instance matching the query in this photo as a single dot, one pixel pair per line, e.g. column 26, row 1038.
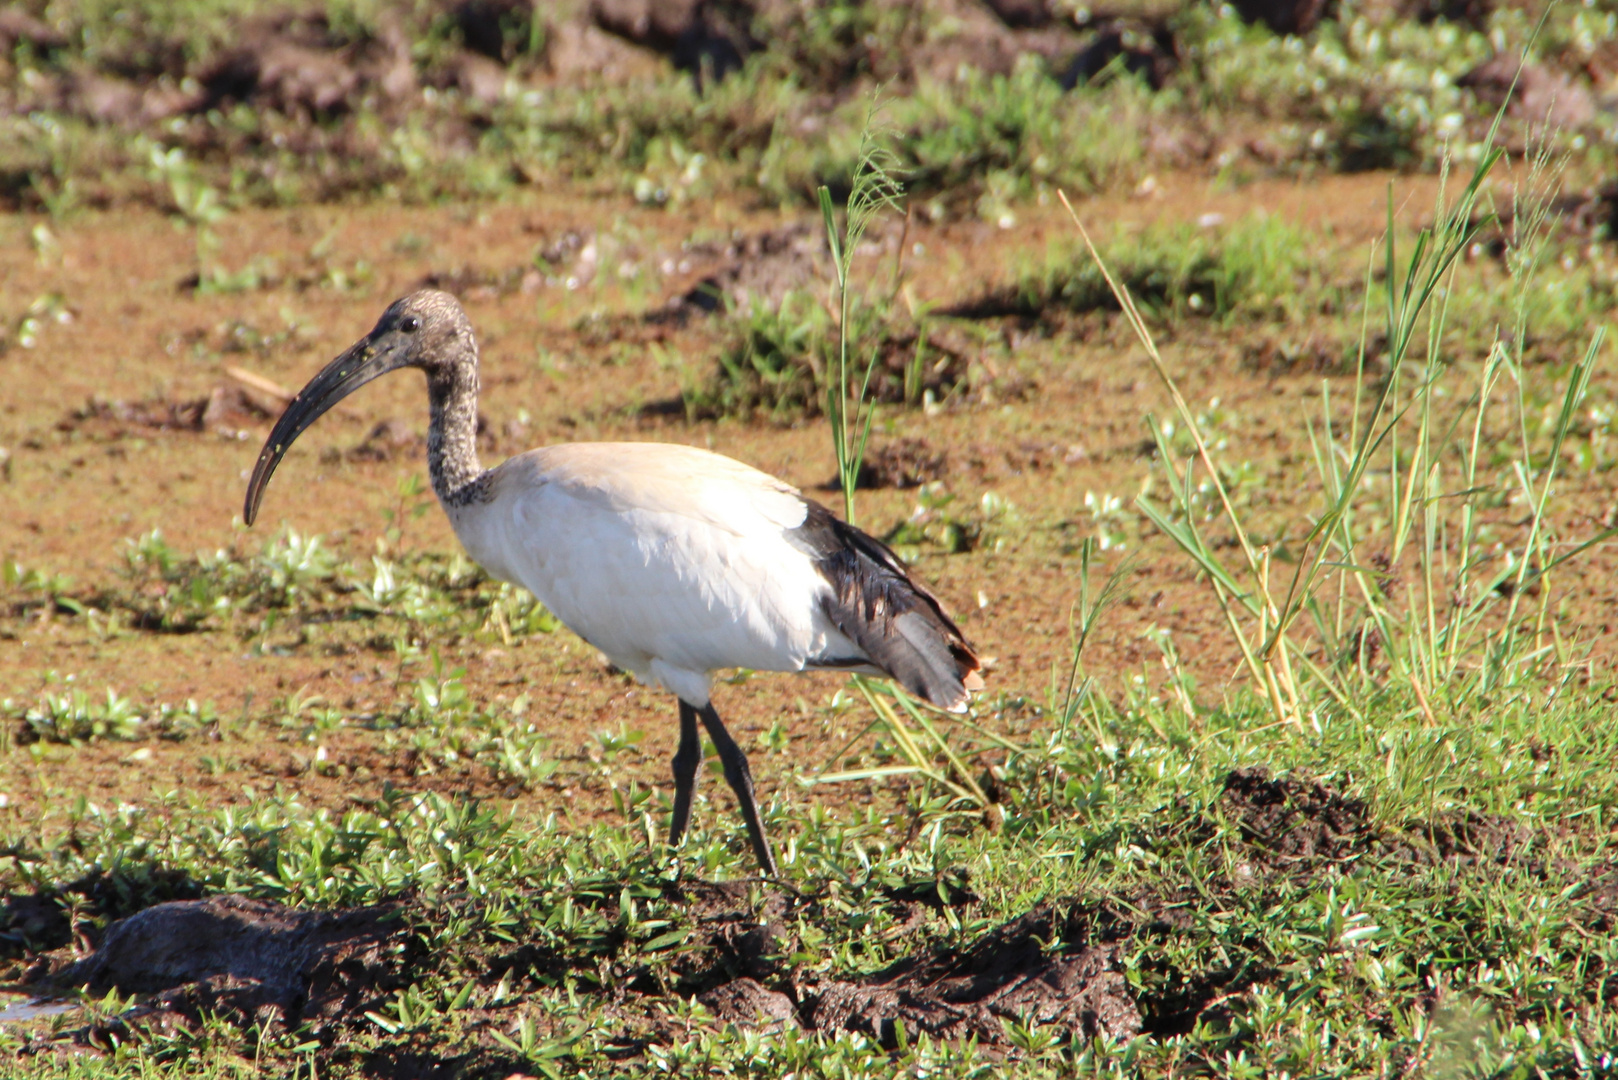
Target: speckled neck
column 452, row 435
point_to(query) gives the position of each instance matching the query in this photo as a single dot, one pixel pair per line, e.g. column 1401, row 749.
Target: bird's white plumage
column 672, row 561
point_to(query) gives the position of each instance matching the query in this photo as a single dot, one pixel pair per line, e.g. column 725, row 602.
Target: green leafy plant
column 75, row 717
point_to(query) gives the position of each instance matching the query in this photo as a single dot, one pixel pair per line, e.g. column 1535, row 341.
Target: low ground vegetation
column 110, row 103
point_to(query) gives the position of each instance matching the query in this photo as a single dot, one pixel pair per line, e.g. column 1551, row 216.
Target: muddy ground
column 260, row 964
column 125, row 417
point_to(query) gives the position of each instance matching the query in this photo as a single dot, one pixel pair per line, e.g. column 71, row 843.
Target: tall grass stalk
column 875, row 188
column 1462, row 621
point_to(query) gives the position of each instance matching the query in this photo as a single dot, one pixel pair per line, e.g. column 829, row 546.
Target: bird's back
column 676, row 561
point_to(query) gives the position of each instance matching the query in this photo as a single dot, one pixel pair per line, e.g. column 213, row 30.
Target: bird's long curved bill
column 340, row 378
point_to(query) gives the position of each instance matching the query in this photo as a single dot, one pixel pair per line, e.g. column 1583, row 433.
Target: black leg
column 686, row 760
column 741, row 782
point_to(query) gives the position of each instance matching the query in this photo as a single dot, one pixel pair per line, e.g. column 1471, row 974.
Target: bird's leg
column 686, row 760
column 740, row 778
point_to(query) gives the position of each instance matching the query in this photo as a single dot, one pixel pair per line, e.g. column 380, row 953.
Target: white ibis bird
column 674, row 562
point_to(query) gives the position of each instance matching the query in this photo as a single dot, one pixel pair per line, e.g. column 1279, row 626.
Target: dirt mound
column 708, row 37
column 1600, row 897
column 1471, row 838
column 257, row 961
column 305, row 66
column 1292, row 820
column 225, row 409
column 1297, row 825
column 37, row 922
column 730, row 938
column 1008, row 974
column 1538, row 94
column 903, row 463
column 753, row 270
column 1286, row 16
column 746, row 1002
column 1124, row 45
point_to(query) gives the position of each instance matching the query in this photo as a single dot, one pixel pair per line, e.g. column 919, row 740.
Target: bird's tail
column 899, row 625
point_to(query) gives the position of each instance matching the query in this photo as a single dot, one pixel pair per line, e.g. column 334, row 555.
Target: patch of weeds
column 778, row 362
column 64, row 713
column 1232, row 887
column 294, row 585
column 74, row 717
column 1357, row 94
column 980, row 143
column 42, row 312
column 1260, row 269
column 1110, row 523
column 37, row 591
column 933, row 525
column 1007, row 137
column 352, row 100
column 609, row 744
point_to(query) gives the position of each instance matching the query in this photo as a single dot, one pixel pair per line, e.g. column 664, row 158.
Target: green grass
column 1353, row 94
column 778, row 363
column 292, row 585
column 1257, row 269
column 1452, row 920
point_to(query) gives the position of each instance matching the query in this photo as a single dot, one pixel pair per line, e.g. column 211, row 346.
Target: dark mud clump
column 1295, row 825
column 903, row 463
column 33, row 923
column 1056, row 965
column 1010, row 974
column 749, row 1003
column 261, row 963
column 1007, row 975
column 732, row 939
column 752, row 270
column 1471, row 838
column 227, row 410
column 252, row 960
column 1291, row 821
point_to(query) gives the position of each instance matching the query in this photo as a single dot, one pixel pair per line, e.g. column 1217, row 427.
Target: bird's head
column 427, row 330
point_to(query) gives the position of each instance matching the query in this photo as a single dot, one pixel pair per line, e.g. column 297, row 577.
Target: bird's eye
column 410, row 324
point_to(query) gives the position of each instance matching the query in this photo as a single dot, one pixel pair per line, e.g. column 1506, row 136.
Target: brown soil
column 569, row 353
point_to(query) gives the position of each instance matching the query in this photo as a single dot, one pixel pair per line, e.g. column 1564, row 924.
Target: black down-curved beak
column 357, row 366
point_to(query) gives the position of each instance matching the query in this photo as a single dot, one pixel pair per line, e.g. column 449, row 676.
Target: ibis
column 674, row 562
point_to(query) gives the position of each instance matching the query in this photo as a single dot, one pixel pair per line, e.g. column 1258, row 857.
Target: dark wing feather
column 890, row 615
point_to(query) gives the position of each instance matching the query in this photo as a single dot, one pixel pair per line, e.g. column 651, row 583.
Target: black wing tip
column 872, row 594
